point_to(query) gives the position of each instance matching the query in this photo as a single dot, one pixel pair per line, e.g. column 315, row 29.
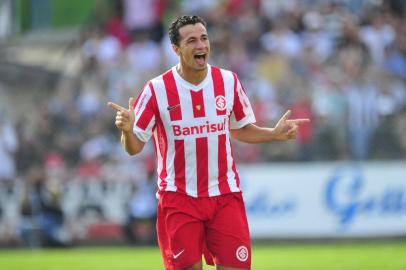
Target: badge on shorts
column 242, row 253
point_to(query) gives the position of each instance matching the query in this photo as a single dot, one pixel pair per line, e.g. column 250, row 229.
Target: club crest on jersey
column 242, row 253
column 221, row 103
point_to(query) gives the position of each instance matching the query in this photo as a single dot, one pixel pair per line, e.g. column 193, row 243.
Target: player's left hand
column 286, row 128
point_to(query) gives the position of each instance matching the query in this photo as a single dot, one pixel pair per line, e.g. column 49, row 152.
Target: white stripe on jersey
column 228, row 78
column 213, row 166
column 191, row 166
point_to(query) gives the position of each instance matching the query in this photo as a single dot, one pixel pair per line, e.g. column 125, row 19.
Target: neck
column 193, row 76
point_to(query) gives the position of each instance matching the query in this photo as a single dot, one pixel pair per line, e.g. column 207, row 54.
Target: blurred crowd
column 341, row 63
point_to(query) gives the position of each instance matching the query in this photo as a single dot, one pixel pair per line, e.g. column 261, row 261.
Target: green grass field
column 382, row 256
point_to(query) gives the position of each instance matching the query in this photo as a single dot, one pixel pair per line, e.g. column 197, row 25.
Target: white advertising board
column 316, row 200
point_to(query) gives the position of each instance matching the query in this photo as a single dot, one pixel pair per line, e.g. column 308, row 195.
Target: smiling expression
column 194, row 47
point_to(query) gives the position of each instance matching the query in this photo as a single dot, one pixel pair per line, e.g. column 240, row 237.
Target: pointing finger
column 115, row 106
column 299, row 121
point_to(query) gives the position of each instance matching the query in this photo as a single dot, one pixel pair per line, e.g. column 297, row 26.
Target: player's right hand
column 124, row 117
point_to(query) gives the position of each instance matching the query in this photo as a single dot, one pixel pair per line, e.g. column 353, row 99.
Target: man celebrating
column 191, row 111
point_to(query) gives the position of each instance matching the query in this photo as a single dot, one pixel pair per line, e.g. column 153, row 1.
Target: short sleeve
column 144, row 114
column 242, row 113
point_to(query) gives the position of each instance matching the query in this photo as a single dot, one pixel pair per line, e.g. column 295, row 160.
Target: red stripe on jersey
column 198, row 103
column 162, row 141
column 146, row 115
column 179, row 166
column 238, row 107
column 218, row 85
column 202, row 148
column 202, row 166
column 222, row 165
column 172, row 95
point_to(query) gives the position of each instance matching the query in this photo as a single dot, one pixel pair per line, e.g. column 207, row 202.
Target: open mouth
column 200, row 58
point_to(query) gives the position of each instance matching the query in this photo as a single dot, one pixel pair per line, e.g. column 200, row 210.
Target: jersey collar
column 189, row 85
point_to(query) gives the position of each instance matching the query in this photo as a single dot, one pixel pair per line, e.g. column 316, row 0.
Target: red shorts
column 214, row 226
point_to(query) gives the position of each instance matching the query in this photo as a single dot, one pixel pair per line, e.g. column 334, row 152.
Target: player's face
column 194, row 46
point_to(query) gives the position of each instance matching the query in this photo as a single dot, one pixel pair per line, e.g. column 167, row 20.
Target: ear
column 176, row 49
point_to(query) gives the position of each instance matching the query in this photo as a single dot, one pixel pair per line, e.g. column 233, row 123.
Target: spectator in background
column 316, row 38
column 141, row 219
column 330, row 107
column 282, row 40
column 42, row 216
column 362, row 102
column 144, row 55
column 377, row 36
column 302, row 108
column 145, row 16
column 101, row 46
column 8, row 148
column 389, row 102
column 395, row 62
column 116, row 27
column 400, row 130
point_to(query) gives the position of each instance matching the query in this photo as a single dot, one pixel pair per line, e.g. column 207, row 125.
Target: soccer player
column 192, row 111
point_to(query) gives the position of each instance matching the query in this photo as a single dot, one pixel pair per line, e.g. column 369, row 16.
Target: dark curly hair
column 179, row 23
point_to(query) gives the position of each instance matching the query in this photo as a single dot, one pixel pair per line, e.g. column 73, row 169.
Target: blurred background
column 65, row 180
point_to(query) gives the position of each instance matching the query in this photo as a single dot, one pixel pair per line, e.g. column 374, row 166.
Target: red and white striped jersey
column 190, row 125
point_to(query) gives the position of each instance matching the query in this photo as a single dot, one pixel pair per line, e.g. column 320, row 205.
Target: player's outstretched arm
column 125, row 122
column 285, row 129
